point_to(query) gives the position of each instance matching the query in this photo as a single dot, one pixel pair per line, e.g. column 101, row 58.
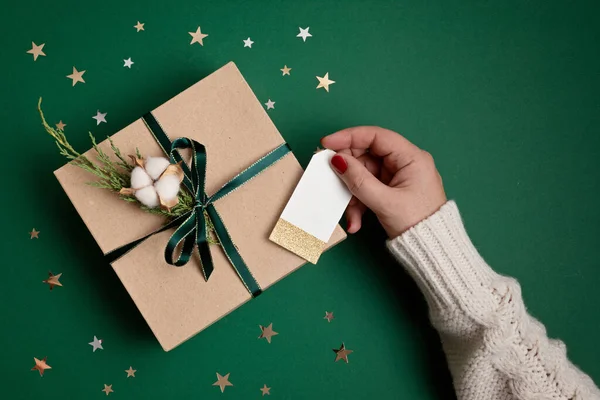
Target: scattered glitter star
column 34, row 234
column 270, row 104
column 131, row 372
column 324, row 82
column 285, row 70
column 304, row 33
column 107, row 389
column 36, row 50
column 197, row 37
column 76, row 76
column 53, row 280
column 265, row 390
column 328, row 316
column 128, row 63
column 96, row 344
column 342, row 353
column 139, row 26
column 100, row 117
column 61, row 125
column 222, row 382
column 248, row 42
column 267, row 332
column 40, row 365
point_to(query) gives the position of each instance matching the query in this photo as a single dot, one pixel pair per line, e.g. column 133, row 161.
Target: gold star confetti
column 265, row 390
column 139, row 26
column 342, row 353
column 328, row 316
column 222, row 382
column 324, row 82
column 34, row 234
column 76, row 76
column 40, row 365
column 53, row 280
column 197, row 37
column 107, row 389
column 61, row 125
column 285, row 70
column 267, row 332
column 36, row 50
column 131, row 372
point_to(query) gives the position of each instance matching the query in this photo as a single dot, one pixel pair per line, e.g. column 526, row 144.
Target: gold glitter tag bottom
column 299, row 242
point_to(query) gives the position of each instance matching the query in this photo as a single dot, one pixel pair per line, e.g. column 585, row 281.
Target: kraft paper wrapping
column 221, row 112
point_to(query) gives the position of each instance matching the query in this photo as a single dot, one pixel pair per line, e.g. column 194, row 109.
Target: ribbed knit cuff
column 441, row 258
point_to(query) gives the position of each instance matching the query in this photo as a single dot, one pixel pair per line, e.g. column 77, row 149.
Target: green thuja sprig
column 115, row 175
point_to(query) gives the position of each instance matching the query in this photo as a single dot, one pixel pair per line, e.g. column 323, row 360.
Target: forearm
column 494, row 348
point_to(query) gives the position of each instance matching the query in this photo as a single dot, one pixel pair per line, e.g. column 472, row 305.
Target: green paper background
column 504, row 94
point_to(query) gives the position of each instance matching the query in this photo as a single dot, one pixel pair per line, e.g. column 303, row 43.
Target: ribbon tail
column 185, row 233
column 232, row 253
column 206, row 261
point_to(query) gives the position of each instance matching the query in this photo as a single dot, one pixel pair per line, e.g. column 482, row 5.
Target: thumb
column 362, row 183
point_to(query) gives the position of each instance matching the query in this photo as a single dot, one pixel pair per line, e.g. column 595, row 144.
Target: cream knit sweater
column 495, row 350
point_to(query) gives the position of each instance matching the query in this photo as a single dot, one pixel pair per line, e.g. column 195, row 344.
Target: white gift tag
column 314, row 209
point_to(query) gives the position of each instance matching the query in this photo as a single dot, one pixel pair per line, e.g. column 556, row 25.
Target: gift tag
column 313, row 211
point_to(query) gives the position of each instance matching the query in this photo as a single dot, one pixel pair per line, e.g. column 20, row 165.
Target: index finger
column 393, row 147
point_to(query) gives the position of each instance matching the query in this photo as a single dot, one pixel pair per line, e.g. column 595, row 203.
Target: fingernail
column 339, row 163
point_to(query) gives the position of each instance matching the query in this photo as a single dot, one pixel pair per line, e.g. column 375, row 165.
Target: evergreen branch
column 115, row 175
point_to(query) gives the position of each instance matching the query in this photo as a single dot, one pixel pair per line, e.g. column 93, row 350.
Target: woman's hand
column 388, row 174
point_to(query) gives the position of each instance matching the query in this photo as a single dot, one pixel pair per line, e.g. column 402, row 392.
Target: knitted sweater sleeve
column 495, row 350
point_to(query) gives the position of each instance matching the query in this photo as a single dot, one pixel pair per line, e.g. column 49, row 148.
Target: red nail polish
column 348, row 225
column 339, row 163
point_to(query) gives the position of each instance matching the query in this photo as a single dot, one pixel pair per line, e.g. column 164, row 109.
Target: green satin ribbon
column 191, row 227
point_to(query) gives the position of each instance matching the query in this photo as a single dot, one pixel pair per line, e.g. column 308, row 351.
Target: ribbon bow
column 191, row 227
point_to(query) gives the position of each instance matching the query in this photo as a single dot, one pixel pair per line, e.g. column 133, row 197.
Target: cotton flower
column 155, row 182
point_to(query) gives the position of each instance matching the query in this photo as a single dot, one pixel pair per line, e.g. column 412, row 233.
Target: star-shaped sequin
column 304, row 33
column 342, row 353
column 100, row 117
column 270, row 104
column 222, row 382
column 53, row 280
column 131, row 372
column 61, row 125
column 197, row 37
column 76, row 76
column 128, row 63
column 285, row 70
column 107, row 389
column 248, row 42
column 267, row 332
column 324, row 82
column 40, row 365
column 36, row 50
column 328, row 316
column 96, row 344
column 265, row 390
column 34, row 234
column 139, row 26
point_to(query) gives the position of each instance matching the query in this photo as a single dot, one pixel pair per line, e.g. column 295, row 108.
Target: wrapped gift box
column 222, row 113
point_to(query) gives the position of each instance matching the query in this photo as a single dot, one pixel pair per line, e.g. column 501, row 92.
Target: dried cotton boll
column 139, row 178
column 147, row 196
column 167, row 187
column 155, row 166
